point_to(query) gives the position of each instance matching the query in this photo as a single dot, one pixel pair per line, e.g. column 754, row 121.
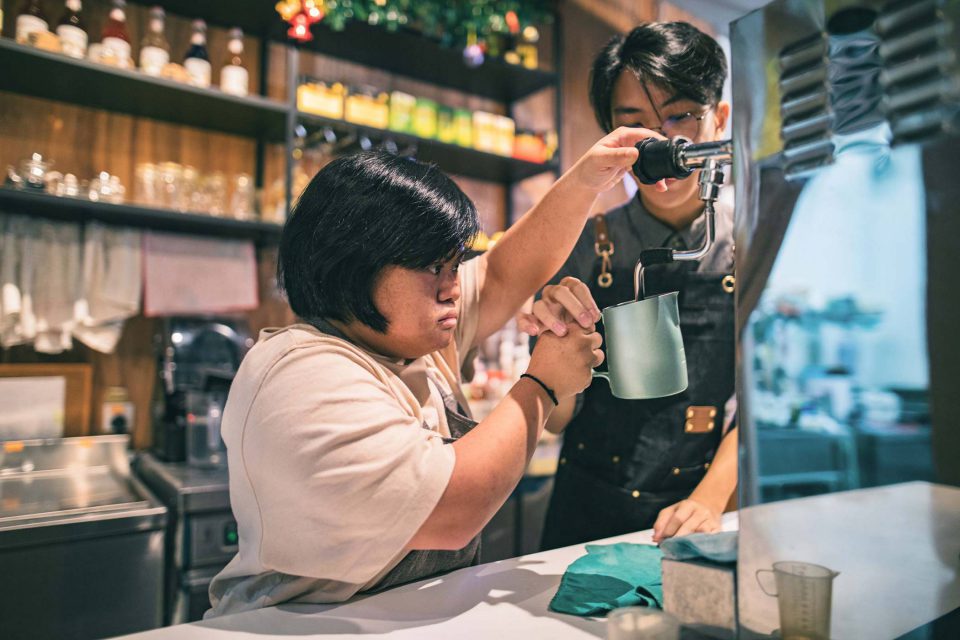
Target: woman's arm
column 534, row 248
column 491, row 459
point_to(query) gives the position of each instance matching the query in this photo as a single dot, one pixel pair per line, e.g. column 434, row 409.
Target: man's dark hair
column 675, row 56
column 359, row 214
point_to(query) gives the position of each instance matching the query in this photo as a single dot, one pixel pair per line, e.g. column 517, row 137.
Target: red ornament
column 300, row 28
column 513, row 22
column 301, row 14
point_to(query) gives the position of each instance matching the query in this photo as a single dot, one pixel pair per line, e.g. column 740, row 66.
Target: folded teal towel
column 717, row 547
column 608, row 577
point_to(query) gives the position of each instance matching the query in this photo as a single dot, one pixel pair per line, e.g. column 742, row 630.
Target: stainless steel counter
column 81, row 540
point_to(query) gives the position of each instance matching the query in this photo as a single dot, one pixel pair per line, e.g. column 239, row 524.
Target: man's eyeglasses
column 685, row 124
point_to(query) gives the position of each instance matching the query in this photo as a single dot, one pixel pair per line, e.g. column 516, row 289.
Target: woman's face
column 674, row 115
column 421, row 307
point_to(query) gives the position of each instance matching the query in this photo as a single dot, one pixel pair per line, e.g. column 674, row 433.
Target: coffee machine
column 846, row 143
column 197, row 360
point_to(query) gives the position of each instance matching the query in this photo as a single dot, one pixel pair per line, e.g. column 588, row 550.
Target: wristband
column 540, row 382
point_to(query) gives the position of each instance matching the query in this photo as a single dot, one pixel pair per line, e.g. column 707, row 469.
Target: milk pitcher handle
column 760, row 582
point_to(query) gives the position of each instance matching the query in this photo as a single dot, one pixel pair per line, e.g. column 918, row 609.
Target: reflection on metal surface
column 805, row 114
column 842, row 340
column 919, row 79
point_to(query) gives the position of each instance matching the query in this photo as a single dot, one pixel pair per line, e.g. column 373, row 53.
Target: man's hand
column 604, row 164
column 684, row 517
column 569, row 301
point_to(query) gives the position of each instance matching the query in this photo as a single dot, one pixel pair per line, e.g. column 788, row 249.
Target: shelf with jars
column 451, row 157
column 71, row 62
column 78, row 209
column 410, row 54
column 167, row 196
column 402, row 51
column 55, row 76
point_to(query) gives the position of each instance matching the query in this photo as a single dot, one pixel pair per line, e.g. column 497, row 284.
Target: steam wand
column 678, row 158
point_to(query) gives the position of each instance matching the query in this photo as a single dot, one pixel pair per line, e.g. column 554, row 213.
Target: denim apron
column 623, row 461
column 417, row 565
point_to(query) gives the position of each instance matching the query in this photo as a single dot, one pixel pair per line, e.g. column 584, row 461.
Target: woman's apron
column 417, row 565
column 623, row 461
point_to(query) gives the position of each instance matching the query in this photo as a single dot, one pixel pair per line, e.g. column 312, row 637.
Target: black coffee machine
column 194, row 355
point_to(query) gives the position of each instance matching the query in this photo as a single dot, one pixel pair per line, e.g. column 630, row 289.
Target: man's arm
column 701, row 511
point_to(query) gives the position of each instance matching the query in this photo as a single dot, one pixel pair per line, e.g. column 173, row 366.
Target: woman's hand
column 569, row 301
column 687, row 516
column 565, row 363
column 604, row 164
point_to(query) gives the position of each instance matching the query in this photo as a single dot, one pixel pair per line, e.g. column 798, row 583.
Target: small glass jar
column 145, row 185
column 169, row 185
column 241, row 202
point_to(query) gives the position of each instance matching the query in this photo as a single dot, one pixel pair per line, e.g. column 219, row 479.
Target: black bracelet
column 540, row 382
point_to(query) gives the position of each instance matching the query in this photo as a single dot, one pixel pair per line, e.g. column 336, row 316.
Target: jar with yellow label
column 321, row 99
column 367, row 106
column 425, row 118
column 463, row 127
column 484, row 131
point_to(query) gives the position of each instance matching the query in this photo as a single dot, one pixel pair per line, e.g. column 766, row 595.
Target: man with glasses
column 669, row 463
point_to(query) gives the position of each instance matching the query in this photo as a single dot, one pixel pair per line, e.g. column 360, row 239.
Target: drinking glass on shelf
column 146, row 183
column 115, row 190
column 215, row 185
column 191, row 197
column 241, row 202
column 169, row 189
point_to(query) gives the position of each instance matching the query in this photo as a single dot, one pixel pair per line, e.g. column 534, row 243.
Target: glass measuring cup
column 803, row 592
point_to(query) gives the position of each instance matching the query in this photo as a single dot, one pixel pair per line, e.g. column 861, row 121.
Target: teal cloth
column 716, row 547
column 608, row 577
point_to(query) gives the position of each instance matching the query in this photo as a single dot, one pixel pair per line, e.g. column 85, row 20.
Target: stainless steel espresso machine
column 846, row 152
column 197, row 360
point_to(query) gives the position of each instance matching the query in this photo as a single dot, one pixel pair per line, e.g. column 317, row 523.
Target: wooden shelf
column 54, row 76
column 452, row 158
column 404, row 52
column 415, row 56
column 129, row 215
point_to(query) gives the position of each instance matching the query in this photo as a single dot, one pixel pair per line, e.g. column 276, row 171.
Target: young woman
column 354, row 464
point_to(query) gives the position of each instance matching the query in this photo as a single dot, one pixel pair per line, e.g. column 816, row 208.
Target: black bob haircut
column 359, row 214
column 675, row 56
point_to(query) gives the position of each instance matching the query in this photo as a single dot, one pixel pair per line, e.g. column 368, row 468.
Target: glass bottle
column 73, row 35
column 234, row 78
column 197, row 60
column 114, row 38
column 154, row 49
column 30, row 18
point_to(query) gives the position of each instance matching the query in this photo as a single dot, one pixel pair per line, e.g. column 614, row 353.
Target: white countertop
column 501, row 600
column 897, row 548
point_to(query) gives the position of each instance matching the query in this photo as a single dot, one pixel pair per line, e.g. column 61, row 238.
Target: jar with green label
column 425, row 118
column 446, row 130
column 402, row 106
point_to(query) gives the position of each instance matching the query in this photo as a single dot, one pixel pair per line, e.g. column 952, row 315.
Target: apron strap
column 603, row 247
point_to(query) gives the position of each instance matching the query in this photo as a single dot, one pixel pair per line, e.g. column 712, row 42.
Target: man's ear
column 722, row 116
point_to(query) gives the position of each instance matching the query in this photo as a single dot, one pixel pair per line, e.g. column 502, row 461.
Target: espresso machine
column 846, row 147
column 196, row 361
